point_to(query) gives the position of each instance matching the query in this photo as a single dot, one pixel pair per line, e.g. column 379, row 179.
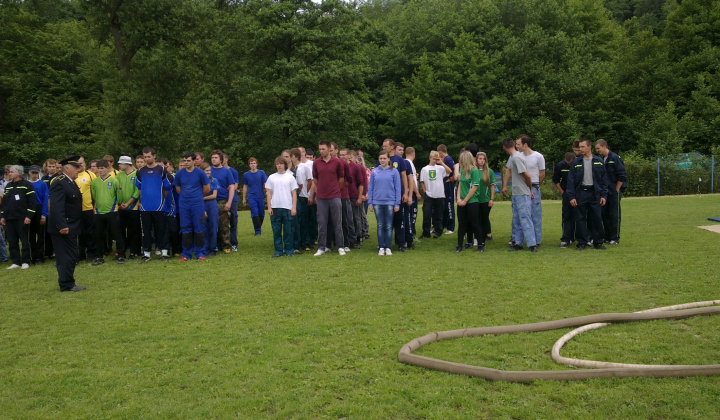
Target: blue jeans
column 281, row 222
column 384, row 217
column 536, row 214
column 523, row 228
column 3, row 250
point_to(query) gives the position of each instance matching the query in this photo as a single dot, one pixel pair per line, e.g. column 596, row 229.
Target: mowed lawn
column 248, row 336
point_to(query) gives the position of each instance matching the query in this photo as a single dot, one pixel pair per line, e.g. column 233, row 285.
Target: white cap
column 125, row 160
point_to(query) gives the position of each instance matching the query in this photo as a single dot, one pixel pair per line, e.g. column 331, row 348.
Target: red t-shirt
column 327, row 174
column 358, row 174
column 345, row 191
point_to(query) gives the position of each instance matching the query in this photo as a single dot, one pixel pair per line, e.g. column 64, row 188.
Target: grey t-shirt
column 535, row 162
column 587, row 173
column 517, row 167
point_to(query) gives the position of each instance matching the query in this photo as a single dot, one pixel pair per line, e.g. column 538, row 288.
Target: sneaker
column 613, row 242
column 341, row 251
column 564, row 244
column 515, row 248
column 144, row 259
column 381, row 251
column 165, row 258
column 227, row 251
column 481, row 248
column 234, row 248
column 459, row 249
column 307, row 249
column 121, row 260
column 297, row 252
column 98, row 262
column 319, row 252
column 436, row 235
column 449, row 232
column 277, row 255
column 511, row 243
column 580, row 247
column 201, row 258
column 25, row 266
column 402, row 249
column 388, row 251
column 599, row 246
column 534, row 248
column 133, row 256
column 468, row 245
column 347, row 249
column 183, row 259
column 425, row 235
column 158, row 252
column 590, row 242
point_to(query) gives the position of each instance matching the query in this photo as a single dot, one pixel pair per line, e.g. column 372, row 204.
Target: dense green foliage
column 257, row 76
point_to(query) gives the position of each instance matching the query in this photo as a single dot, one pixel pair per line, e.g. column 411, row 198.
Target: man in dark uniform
column 65, row 213
column 587, row 191
column 560, row 177
column 617, row 183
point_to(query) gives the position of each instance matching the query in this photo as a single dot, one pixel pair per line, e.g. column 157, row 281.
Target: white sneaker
column 381, row 251
column 341, row 251
column 387, row 251
column 319, row 252
column 13, row 266
column 347, row 249
column 158, row 252
column 25, row 266
column 449, row 232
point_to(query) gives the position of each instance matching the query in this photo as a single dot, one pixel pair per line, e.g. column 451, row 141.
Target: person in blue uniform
column 191, row 185
column 254, row 193
column 587, row 191
column 63, row 223
column 559, row 178
column 37, row 223
column 153, row 185
column 617, row 182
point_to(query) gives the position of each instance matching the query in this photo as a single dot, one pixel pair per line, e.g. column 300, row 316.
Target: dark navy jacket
column 65, row 206
column 615, row 169
column 561, row 173
column 576, row 177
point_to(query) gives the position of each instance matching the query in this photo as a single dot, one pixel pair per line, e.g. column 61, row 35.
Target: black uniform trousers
column 17, row 231
column 433, row 212
column 130, row 232
column 153, row 222
column 66, row 258
column 469, row 221
column 588, row 208
column 611, row 215
column 104, row 223
column 37, row 236
column 173, row 234
column 86, row 239
column 568, row 223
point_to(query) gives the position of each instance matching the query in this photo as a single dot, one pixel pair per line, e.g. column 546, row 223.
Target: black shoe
column 165, row 258
column 534, row 248
column 402, row 249
column 133, row 256
column 468, row 245
column 580, row 247
column 121, row 260
column 514, row 248
column 459, row 249
column 40, row 262
column 75, row 289
column 489, row 238
column 435, row 235
column 144, row 259
column 98, row 262
column 411, row 246
column 425, row 235
column 599, row 246
column 481, row 248
column 353, row 246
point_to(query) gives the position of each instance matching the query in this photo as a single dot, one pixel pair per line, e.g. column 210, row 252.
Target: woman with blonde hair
column 468, row 207
column 486, row 193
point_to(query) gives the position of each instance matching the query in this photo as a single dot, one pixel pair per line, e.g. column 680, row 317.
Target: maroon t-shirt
column 359, row 179
column 327, row 174
column 345, row 190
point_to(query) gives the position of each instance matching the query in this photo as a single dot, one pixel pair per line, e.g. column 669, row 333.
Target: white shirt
column 414, row 172
column 535, row 163
column 432, row 177
column 304, row 176
column 281, row 187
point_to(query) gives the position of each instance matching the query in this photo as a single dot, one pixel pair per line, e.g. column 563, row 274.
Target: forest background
column 257, row 76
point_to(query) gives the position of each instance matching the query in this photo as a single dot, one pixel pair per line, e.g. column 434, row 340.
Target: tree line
column 253, row 77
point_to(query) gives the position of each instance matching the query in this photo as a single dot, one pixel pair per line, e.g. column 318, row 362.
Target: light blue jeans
column 536, row 214
column 3, row 250
column 522, row 225
column 384, row 216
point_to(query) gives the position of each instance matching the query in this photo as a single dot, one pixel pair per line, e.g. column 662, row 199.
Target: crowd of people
column 71, row 211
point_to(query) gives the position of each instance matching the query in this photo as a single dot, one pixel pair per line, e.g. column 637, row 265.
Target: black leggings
column 469, row 220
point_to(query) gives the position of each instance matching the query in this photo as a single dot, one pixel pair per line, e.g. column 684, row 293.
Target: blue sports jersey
column 152, row 183
column 224, row 179
column 256, row 183
column 191, row 187
column 170, row 205
column 42, row 192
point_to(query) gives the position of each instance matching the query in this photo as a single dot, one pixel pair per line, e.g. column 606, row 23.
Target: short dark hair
column 324, row 143
column 576, row 144
column 569, row 156
column 95, row 161
column 102, row 163
column 601, row 142
column 190, row 155
column 525, row 139
column 149, row 150
column 163, row 161
column 140, row 157
column 335, row 146
column 398, row 144
column 200, row 155
column 295, row 152
column 390, row 141
column 586, row 141
column 508, row 143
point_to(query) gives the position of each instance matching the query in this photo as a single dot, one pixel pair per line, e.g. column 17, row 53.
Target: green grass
column 245, row 335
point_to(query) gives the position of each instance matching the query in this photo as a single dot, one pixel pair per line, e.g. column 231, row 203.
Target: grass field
column 244, row 335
